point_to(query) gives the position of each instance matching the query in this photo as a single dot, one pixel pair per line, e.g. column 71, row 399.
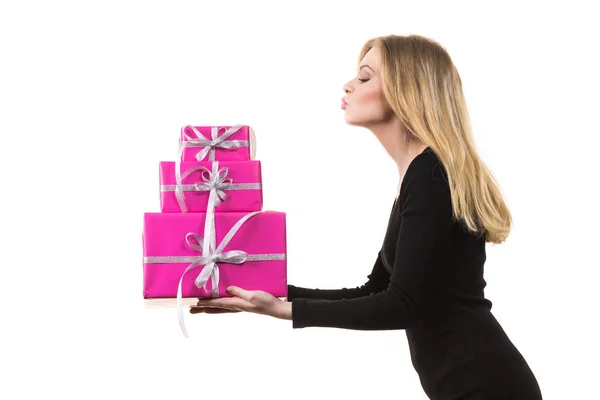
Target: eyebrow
column 363, row 66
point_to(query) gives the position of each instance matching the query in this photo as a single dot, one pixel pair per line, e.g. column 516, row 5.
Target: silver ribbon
column 209, row 146
column 209, row 258
column 213, row 181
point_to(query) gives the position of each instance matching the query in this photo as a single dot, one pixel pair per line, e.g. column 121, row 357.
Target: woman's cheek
column 373, row 96
column 369, row 95
column 374, row 99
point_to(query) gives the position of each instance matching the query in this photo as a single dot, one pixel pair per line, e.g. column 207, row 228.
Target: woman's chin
column 351, row 121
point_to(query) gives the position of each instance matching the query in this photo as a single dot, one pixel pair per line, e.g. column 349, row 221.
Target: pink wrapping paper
column 164, row 235
column 197, row 201
column 238, row 154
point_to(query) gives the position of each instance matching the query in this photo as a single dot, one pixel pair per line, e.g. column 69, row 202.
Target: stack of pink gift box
column 212, row 231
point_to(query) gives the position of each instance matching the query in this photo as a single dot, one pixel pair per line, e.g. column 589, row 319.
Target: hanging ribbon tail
column 209, row 242
column 221, row 196
column 179, row 195
column 201, row 155
column 180, row 311
column 180, row 297
column 216, row 178
column 215, row 282
column 206, row 273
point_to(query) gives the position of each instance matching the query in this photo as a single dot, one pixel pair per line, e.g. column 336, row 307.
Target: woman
column 428, row 275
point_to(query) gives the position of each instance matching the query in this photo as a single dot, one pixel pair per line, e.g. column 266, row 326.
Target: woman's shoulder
column 426, row 171
column 427, row 157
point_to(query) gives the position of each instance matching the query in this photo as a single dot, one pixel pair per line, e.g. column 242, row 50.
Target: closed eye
column 363, row 80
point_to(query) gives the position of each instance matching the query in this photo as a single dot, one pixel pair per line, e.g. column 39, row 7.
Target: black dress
column 428, row 280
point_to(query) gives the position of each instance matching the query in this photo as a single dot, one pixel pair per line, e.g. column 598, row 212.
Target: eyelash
column 363, row 80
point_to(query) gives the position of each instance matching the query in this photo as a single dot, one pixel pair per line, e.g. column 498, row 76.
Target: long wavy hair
column 423, row 87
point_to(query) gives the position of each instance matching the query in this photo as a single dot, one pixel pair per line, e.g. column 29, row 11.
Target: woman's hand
column 256, row 301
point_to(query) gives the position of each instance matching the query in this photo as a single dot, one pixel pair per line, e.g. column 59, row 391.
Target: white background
column 92, row 96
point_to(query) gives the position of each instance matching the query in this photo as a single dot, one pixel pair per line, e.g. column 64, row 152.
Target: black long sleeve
column 435, row 293
column 377, row 281
column 422, row 244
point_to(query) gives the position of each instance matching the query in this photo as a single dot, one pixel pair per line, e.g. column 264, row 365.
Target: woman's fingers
column 220, row 310
column 212, row 310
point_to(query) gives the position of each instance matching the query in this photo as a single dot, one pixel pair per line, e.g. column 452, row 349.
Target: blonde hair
column 423, row 87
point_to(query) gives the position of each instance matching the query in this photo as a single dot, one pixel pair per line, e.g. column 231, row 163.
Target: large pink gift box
column 167, row 253
column 220, row 143
column 240, row 184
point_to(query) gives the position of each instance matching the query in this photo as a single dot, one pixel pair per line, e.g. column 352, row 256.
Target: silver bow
column 210, row 261
column 209, row 146
column 216, row 182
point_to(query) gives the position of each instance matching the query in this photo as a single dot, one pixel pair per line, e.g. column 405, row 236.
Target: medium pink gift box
column 221, row 143
column 240, row 184
column 167, row 253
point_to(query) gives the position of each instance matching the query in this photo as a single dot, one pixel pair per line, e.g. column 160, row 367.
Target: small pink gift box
column 221, row 143
column 238, row 185
column 254, row 258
